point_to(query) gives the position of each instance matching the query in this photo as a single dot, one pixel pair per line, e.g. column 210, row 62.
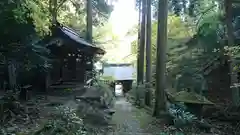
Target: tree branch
column 96, row 9
column 60, row 4
column 203, row 13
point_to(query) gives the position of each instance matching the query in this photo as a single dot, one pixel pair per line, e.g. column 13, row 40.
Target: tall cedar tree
column 230, row 42
column 89, row 21
column 138, row 43
column 148, row 55
column 161, row 58
column 142, row 43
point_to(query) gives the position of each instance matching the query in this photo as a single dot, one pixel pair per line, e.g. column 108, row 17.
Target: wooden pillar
column 114, row 88
column 12, row 74
column 90, row 59
column 47, row 81
column 74, row 66
column 61, row 70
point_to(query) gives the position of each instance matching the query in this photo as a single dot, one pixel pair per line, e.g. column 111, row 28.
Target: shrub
column 65, row 122
column 107, row 97
column 180, row 116
column 137, row 92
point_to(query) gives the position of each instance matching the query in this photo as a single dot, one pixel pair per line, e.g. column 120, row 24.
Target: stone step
column 110, row 111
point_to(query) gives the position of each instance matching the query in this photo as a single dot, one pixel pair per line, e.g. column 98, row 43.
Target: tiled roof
column 61, row 30
column 76, row 37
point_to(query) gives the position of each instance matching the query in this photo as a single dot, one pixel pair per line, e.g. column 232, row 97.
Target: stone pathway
column 129, row 120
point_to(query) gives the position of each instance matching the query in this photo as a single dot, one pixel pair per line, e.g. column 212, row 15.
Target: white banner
column 120, row 72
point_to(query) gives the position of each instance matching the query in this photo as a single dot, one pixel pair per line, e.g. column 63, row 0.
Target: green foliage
column 108, row 78
column 137, row 92
column 191, row 45
column 178, row 33
column 73, row 14
column 177, row 52
column 22, row 18
column 107, row 96
column 180, row 115
column 23, row 23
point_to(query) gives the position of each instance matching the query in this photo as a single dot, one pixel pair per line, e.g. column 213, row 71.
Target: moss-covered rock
column 191, row 97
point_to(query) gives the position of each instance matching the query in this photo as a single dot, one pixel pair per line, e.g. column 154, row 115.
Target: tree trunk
column 138, row 44
column 142, row 42
column 89, row 21
column 47, row 81
column 220, row 6
column 148, row 55
column 184, row 6
column 230, row 36
column 161, row 58
column 53, row 10
column 12, row 74
column 191, row 8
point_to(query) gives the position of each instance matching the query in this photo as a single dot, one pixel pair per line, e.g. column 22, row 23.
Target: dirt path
column 129, row 120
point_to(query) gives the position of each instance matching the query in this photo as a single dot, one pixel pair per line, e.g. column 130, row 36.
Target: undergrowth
column 63, row 122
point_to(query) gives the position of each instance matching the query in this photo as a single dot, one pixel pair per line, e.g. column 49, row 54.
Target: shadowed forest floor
column 127, row 120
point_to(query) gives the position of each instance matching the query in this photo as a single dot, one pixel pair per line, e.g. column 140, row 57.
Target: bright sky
column 123, row 17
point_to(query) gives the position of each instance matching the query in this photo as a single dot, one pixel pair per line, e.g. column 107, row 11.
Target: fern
column 180, row 115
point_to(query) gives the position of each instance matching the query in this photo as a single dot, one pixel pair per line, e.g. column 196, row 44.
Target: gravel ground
column 129, row 120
